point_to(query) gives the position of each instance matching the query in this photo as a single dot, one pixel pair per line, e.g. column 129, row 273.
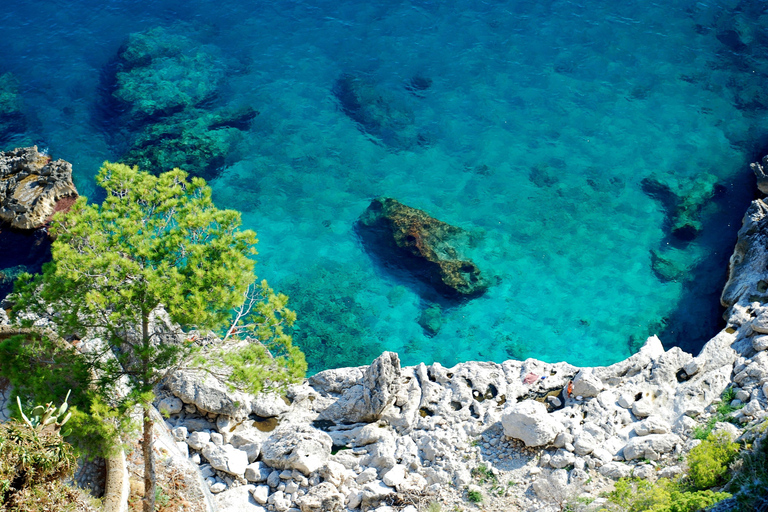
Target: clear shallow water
column 542, row 121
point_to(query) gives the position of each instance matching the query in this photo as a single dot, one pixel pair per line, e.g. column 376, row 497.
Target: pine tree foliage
column 159, row 242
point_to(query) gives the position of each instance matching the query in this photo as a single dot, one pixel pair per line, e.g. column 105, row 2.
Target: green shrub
column 33, row 467
column 42, row 370
column 708, row 462
column 635, row 495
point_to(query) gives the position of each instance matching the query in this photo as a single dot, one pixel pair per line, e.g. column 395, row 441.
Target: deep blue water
column 567, row 137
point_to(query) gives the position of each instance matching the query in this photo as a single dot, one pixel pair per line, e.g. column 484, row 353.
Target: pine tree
column 159, row 241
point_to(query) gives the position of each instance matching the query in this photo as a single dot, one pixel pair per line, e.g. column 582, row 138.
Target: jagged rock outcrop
column 748, row 267
column 430, row 248
column 366, row 400
column 33, row 187
column 353, row 438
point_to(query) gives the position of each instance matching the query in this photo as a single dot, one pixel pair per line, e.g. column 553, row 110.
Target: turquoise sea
column 571, row 139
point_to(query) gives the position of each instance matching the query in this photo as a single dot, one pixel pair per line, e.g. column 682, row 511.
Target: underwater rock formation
column 164, row 91
column 12, row 120
column 159, row 75
column 196, row 141
column 427, row 246
column 331, row 328
column 377, row 112
column 33, row 187
column 683, row 201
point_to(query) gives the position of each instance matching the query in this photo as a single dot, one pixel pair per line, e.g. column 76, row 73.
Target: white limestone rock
column 238, row 499
column 561, row 459
column 584, row 444
column 366, row 476
column 642, row 408
column 298, row 447
column 374, row 492
column 257, row 472
column 760, row 322
column 269, row 405
column 652, row 425
column 530, row 422
column 615, row 470
column 208, row 394
column 644, row 472
column 394, row 476
column 748, row 264
column 366, row 400
column 226, row 458
column 170, row 405
column 586, row 384
column 651, row 446
column 322, row 498
column 760, row 343
column 180, row 433
column 626, row 400
column 198, row 440
column 260, row 494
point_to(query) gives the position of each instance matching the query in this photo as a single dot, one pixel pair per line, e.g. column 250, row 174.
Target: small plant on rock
column 474, row 496
column 434, row 507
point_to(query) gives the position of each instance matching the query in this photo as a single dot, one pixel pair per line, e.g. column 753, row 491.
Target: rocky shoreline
column 528, row 435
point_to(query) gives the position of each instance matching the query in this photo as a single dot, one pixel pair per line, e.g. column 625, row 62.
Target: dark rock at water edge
column 33, row 187
column 429, row 248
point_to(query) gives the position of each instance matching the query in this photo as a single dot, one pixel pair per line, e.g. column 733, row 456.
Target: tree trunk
column 150, row 479
column 149, row 462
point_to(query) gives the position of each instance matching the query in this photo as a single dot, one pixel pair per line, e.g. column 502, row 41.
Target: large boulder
column 33, row 187
column 650, row 446
column 297, row 447
column 530, row 422
column 366, row 400
column 208, row 394
column 226, row 458
column 428, row 247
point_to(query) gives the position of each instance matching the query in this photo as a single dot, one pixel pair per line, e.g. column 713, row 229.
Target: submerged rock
column 33, row 187
column 159, row 75
column 378, row 112
column 195, row 141
column 683, row 201
column 163, row 93
column 12, row 119
column 427, row 246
